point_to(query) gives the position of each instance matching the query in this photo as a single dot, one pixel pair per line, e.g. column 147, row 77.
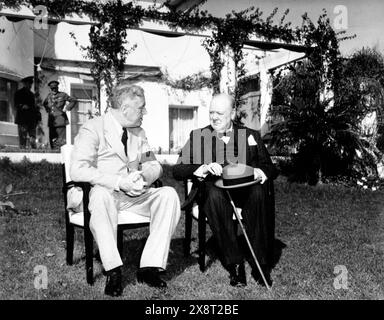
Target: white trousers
column 162, row 205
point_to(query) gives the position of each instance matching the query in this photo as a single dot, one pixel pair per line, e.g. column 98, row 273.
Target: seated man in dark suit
column 203, row 157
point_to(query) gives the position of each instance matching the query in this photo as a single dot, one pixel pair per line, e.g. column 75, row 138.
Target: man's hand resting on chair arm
column 133, row 184
column 213, row 168
column 259, row 175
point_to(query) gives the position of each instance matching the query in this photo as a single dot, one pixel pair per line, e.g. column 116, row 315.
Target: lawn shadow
column 133, row 249
column 277, row 251
column 177, row 262
column 213, row 251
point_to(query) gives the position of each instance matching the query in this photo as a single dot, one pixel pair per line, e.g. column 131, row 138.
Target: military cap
column 53, row 82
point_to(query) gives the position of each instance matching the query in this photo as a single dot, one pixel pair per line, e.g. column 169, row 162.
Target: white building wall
column 158, row 99
column 180, row 56
column 156, row 121
column 199, row 98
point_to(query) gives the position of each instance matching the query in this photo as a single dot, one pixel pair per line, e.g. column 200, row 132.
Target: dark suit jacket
column 250, row 151
column 247, row 152
column 29, row 116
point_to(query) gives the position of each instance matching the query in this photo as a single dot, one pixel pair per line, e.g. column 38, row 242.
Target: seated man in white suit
column 111, row 152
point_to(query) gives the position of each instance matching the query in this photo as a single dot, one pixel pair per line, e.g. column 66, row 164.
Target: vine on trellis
column 108, row 36
column 191, row 82
column 108, row 40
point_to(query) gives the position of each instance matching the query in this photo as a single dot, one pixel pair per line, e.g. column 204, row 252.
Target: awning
column 25, row 13
column 84, row 68
column 269, row 46
column 150, row 27
column 10, row 74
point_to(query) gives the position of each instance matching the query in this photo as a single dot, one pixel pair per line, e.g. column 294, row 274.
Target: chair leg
column 120, row 237
column 188, row 232
column 70, row 235
column 202, row 231
column 89, row 255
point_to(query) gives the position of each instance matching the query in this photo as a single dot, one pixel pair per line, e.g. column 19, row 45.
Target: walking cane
column 248, row 242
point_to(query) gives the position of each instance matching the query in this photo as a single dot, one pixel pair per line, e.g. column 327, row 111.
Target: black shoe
column 259, row 279
column 237, row 275
column 151, row 276
column 113, row 285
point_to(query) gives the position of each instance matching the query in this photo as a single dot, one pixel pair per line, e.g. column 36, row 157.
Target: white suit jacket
column 98, row 155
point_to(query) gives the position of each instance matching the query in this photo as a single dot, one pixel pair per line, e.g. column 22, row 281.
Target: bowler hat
column 236, row 175
column 53, row 82
column 28, row 79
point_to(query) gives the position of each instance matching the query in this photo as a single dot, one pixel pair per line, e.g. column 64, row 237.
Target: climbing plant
column 230, row 34
column 109, row 43
column 320, row 104
column 320, row 126
column 108, row 37
column 191, row 82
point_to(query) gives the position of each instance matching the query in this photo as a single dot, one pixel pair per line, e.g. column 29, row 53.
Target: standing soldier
column 27, row 114
column 55, row 106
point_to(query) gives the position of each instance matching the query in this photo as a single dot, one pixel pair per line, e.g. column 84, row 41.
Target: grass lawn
column 322, row 227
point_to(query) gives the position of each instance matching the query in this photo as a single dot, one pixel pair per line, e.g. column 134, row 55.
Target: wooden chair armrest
column 85, row 186
column 190, row 200
column 192, row 195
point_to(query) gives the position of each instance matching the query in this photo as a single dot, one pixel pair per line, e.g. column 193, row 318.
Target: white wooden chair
column 126, row 219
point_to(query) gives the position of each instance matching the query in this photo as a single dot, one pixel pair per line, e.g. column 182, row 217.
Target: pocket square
column 225, row 139
column 251, row 141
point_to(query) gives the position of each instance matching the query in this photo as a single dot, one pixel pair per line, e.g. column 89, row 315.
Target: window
column 7, row 92
column 86, row 96
column 182, row 120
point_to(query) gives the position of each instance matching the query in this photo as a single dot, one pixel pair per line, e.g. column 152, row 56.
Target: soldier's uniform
column 55, row 105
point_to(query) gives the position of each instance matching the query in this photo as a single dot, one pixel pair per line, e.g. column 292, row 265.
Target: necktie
column 223, row 137
column 124, row 139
